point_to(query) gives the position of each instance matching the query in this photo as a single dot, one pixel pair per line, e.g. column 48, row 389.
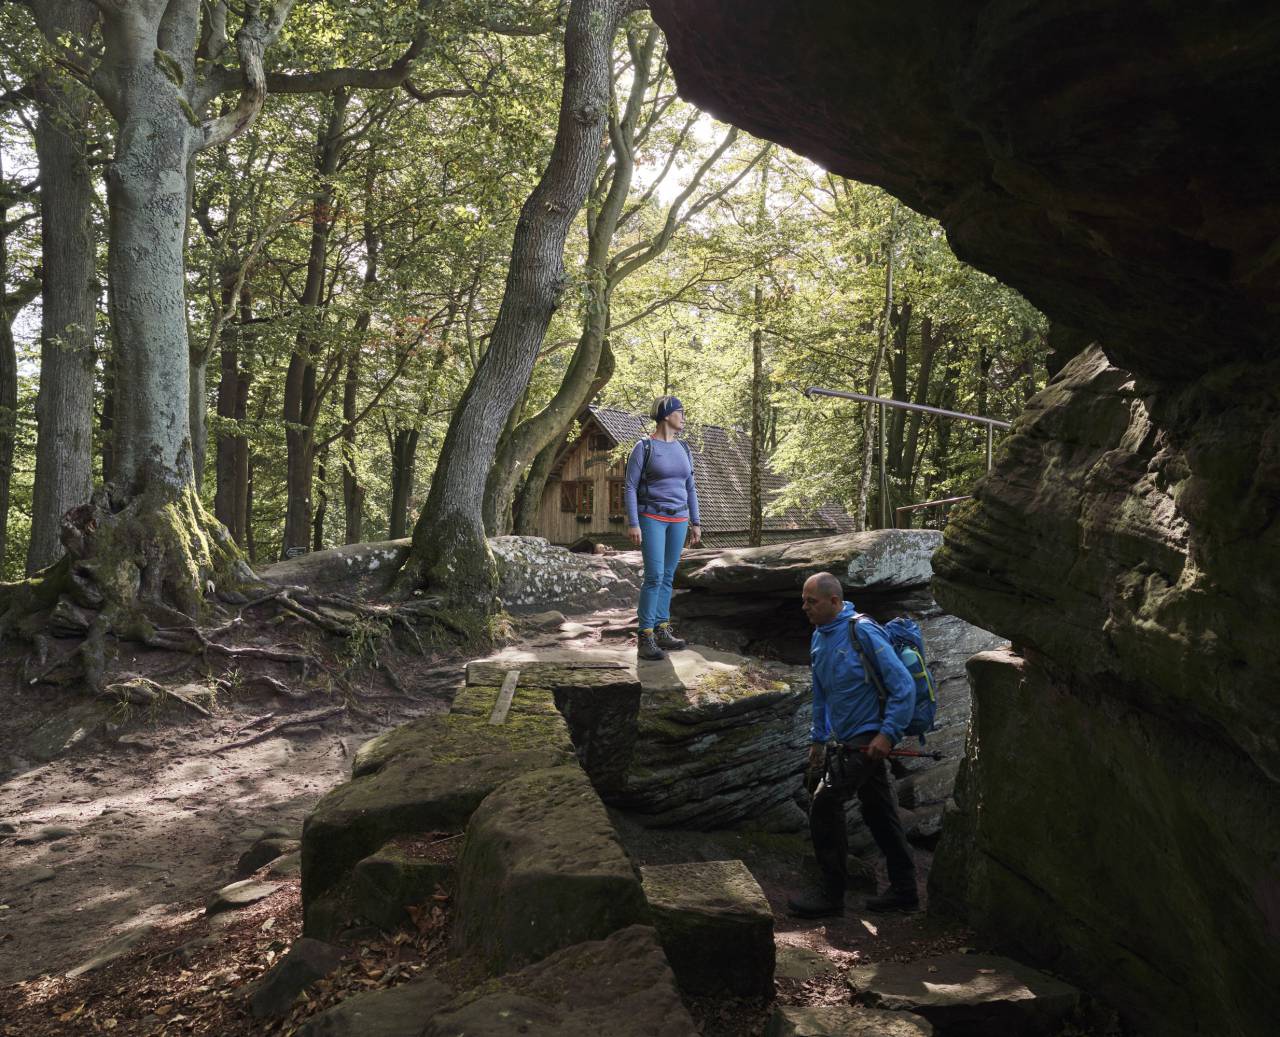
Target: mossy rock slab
column 969, row 994
column 458, row 736
column 715, row 925
column 844, row 1021
column 542, row 868
column 621, row 986
column 403, row 873
column 397, row 1012
column 434, row 787
column 479, row 700
column 552, row 675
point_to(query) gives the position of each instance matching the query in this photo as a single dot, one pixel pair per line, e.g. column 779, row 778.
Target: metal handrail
column 927, row 504
column 814, row 390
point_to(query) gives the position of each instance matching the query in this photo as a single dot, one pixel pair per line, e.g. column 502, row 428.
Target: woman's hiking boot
column 895, row 900
column 817, row 902
column 665, row 639
column 647, row 647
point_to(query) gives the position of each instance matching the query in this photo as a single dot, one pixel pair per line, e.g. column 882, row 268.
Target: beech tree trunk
column 929, row 343
column 873, row 380
column 64, row 406
column 449, row 552
column 898, row 381
column 404, row 451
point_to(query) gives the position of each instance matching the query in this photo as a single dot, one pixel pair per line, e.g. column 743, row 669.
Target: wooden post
column 505, row 695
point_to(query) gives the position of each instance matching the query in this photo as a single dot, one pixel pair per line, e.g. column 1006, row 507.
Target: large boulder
column 880, row 559
column 621, row 986
column 541, row 868
column 1142, row 796
column 1126, row 538
column 396, row 1012
column 534, row 574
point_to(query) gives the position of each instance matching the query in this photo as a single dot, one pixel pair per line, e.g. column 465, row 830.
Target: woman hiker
column 662, row 505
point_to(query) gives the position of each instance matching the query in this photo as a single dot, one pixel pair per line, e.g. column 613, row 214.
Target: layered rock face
column 1117, row 818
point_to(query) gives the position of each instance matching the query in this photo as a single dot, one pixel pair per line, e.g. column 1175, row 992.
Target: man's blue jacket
column 845, row 701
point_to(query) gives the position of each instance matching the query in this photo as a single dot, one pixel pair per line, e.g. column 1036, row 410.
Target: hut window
column 600, row 442
column 616, row 505
column 577, row 498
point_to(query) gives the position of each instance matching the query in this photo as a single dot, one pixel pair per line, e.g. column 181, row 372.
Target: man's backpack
column 908, row 642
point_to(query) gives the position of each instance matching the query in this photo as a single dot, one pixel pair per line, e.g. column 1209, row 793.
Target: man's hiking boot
column 647, row 647
column 664, row 638
column 816, row 902
column 905, row 901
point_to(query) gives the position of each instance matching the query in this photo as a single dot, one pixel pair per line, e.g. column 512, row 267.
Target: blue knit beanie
column 665, row 406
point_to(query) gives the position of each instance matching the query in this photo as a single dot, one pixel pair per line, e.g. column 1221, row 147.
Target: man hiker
column 847, row 710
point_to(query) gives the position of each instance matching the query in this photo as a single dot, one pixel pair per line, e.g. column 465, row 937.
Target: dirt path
column 106, row 839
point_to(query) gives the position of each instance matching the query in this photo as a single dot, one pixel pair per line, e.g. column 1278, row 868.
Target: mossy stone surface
column 430, row 776
column 715, row 925
column 398, row 1012
column 460, row 736
column 552, row 675
column 621, row 986
column 541, row 868
column 479, row 700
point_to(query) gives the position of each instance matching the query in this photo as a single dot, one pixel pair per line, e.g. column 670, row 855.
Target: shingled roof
column 722, row 471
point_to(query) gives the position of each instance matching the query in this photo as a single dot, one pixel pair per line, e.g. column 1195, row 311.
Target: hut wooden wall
column 583, row 464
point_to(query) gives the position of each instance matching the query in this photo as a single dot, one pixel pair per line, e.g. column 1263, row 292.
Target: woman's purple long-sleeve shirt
column 668, row 485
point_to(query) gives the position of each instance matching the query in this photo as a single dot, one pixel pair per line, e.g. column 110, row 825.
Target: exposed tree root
column 307, row 718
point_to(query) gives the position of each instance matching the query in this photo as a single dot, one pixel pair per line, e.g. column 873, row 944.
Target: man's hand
column 695, row 535
column 878, row 748
column 816, row 751
column 634, row 534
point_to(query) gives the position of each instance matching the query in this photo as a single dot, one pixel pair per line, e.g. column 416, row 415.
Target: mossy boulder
column 427, row 776
column 542, row 868
column 462, row 736
column 715, row 925
column 551, row 675
column 621, row 986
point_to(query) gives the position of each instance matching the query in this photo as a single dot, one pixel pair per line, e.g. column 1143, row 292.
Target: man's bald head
column 823, row 598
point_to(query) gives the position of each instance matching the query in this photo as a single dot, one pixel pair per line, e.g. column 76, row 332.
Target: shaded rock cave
column 1116, row 820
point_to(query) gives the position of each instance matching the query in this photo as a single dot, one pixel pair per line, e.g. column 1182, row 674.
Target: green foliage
column 429, row 179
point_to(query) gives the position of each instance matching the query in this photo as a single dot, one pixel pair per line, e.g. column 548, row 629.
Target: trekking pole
column 935, row 755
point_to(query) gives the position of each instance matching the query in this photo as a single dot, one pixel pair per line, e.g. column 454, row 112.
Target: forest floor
column 121, row 843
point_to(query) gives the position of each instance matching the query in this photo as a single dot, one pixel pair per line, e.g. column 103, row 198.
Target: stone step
column 715, row 925
column 968, row 995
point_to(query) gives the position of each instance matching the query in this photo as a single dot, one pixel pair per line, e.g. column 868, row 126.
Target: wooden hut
column 583, row 497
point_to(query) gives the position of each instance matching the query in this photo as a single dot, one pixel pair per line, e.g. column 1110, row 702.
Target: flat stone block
column 541, row 869
column 715, row 925
column 621, row 986
column 969, row 994
column 239, row 894
column 845, row 1021
column 428, row 779
column 551, row 674
column 404, row 872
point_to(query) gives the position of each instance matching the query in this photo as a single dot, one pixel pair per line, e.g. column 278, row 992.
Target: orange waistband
column 663, row 518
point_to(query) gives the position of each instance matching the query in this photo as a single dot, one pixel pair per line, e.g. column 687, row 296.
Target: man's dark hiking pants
column 855, row 772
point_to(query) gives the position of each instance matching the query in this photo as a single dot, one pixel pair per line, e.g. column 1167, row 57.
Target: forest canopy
column 346, row 243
